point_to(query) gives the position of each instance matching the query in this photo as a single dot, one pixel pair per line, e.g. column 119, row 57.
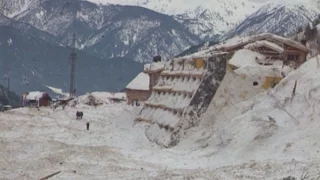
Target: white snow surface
column 140, row 82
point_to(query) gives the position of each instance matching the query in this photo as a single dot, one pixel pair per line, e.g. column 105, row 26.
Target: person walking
column 88, row 124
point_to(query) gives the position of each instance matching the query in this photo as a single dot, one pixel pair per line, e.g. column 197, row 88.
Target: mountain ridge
column 32, row 63
column 111, row 31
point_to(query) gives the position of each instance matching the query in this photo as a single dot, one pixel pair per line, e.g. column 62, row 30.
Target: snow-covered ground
column 272, row 135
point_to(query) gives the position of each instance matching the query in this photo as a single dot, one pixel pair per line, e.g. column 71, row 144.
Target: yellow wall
column 199, row 63
column 270, row 81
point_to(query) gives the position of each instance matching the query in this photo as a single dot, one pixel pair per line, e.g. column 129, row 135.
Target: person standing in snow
column 88, row 126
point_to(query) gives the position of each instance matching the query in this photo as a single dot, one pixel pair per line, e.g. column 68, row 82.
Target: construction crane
column 73, row 58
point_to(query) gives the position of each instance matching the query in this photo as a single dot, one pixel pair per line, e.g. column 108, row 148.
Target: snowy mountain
column 13, row 7
column 137, row 33
column 205, row 18
column 111, row 31
column 281, row 18
column 210, row 19
column 32, row 62
column 278, row 18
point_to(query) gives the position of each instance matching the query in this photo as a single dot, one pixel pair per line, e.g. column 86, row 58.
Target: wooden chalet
column 272, row 46
column 36, row 98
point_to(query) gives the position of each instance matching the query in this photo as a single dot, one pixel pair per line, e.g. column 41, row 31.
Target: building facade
column 138, row 89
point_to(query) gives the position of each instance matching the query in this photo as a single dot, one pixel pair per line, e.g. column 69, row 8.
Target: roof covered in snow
column 34, row 95
column 140, row 82
column 236, row 42
column 265, row 43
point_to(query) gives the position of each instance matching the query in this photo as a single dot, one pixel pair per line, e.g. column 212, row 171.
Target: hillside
column 283, row 18
column 32, row 62
column 205, row 18
column 277, row 18
column 111, row 31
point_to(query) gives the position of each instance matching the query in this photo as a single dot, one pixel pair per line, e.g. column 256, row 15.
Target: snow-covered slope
column 280, row 124
column 210, row 19
column 11, row 8
column 279, row 17
column 205, row 18
column 111, row 31
column 282, row 18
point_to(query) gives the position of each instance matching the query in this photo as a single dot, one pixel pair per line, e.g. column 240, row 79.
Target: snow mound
column 245, row 57
column 281, row 124
column 100, row 98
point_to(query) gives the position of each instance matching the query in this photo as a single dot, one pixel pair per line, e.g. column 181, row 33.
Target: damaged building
column 184, row 88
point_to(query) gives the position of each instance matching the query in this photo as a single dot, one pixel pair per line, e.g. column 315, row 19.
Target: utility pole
column 8, row 85
column 73, row 58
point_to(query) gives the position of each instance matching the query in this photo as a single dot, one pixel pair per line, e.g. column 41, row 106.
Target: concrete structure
column 185, row 87
column 154, row 70
column 181, row 94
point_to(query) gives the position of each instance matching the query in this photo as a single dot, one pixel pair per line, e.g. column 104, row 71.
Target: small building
column 36, row 98
column 138, row 89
